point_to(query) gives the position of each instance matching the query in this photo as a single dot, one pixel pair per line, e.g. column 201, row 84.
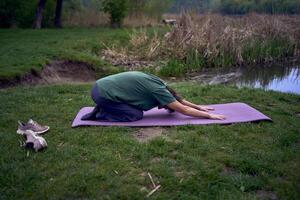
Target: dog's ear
column 29, row 145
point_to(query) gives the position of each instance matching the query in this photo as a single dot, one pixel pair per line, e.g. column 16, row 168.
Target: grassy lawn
column 237, row 161
column 24, row 49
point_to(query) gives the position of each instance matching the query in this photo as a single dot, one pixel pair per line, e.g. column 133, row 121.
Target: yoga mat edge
column 234, row 112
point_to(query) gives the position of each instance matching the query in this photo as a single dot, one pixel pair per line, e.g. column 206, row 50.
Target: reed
column 212, row 40
column 226, row 41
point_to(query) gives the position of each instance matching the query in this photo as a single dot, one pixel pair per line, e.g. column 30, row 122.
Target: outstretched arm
column 190, row 111
column 192, row 105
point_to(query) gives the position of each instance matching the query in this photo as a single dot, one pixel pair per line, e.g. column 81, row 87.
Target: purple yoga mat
column 234, row 112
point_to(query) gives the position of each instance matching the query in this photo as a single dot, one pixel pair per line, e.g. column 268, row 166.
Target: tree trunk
column 115, row 24
column 37, row 24
column 58, row 10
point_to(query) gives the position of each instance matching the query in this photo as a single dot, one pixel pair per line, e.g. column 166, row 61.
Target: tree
column 37, row 24
column 58, row 10
column 117, row 10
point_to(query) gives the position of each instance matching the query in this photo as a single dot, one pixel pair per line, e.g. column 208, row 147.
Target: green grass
column 188, row 161
column 23, row 49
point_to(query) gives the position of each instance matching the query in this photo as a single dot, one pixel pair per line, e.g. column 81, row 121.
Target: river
column 274, row 77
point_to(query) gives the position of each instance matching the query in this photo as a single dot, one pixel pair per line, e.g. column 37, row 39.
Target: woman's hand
column 215, row 116
column 205, row 108
column 190, row 111
column 197, row 107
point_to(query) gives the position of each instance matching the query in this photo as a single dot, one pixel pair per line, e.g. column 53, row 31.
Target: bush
column 117, row 9
column 16, row 13
column 19, row 13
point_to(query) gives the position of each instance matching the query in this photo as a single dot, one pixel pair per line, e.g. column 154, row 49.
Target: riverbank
column 196, row 42
column 213, row 41
column 241, row 161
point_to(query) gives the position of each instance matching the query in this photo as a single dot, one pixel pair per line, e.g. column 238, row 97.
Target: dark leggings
column 114, row 111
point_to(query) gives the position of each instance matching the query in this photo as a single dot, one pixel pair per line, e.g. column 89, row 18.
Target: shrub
column 19, row 13
column 117, row 10
column 16, row 13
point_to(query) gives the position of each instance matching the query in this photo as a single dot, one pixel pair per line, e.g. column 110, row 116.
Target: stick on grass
column 154, row 190
column 154, row 185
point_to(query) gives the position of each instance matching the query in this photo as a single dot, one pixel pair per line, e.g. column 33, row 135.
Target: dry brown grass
column 221, row 39
column 93, row 18
column 126, row 58
column 86, row 18
column 141, row 21
column 215, row 35
column 141, row 50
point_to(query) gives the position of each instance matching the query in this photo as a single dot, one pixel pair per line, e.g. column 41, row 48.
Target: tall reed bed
column 212, row 40
column 215, row 40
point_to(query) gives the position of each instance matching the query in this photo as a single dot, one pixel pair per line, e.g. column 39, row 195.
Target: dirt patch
column 55, row 72
column 121, row 59
column 180, row 174
column 263, row 194
column 147, row 134
column 155, row 160
column 229, row 171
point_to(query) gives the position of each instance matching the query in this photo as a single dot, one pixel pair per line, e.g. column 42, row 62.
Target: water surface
column 276, row 77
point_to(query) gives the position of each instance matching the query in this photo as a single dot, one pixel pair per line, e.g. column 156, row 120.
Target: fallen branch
column 154, row 190
column 154, row 185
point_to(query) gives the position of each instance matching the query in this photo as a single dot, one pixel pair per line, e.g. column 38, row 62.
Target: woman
column 123, row 97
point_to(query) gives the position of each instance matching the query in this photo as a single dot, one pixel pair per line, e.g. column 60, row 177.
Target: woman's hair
column 175, row 95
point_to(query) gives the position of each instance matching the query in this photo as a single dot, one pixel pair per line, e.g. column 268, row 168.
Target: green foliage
column 19, row 13
column 48, row 14
column 194, row 61
column 178, row 68
column 72, row 5
column 173, row 67
column 16, row 13
column 261, row 6
column 117, row 9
